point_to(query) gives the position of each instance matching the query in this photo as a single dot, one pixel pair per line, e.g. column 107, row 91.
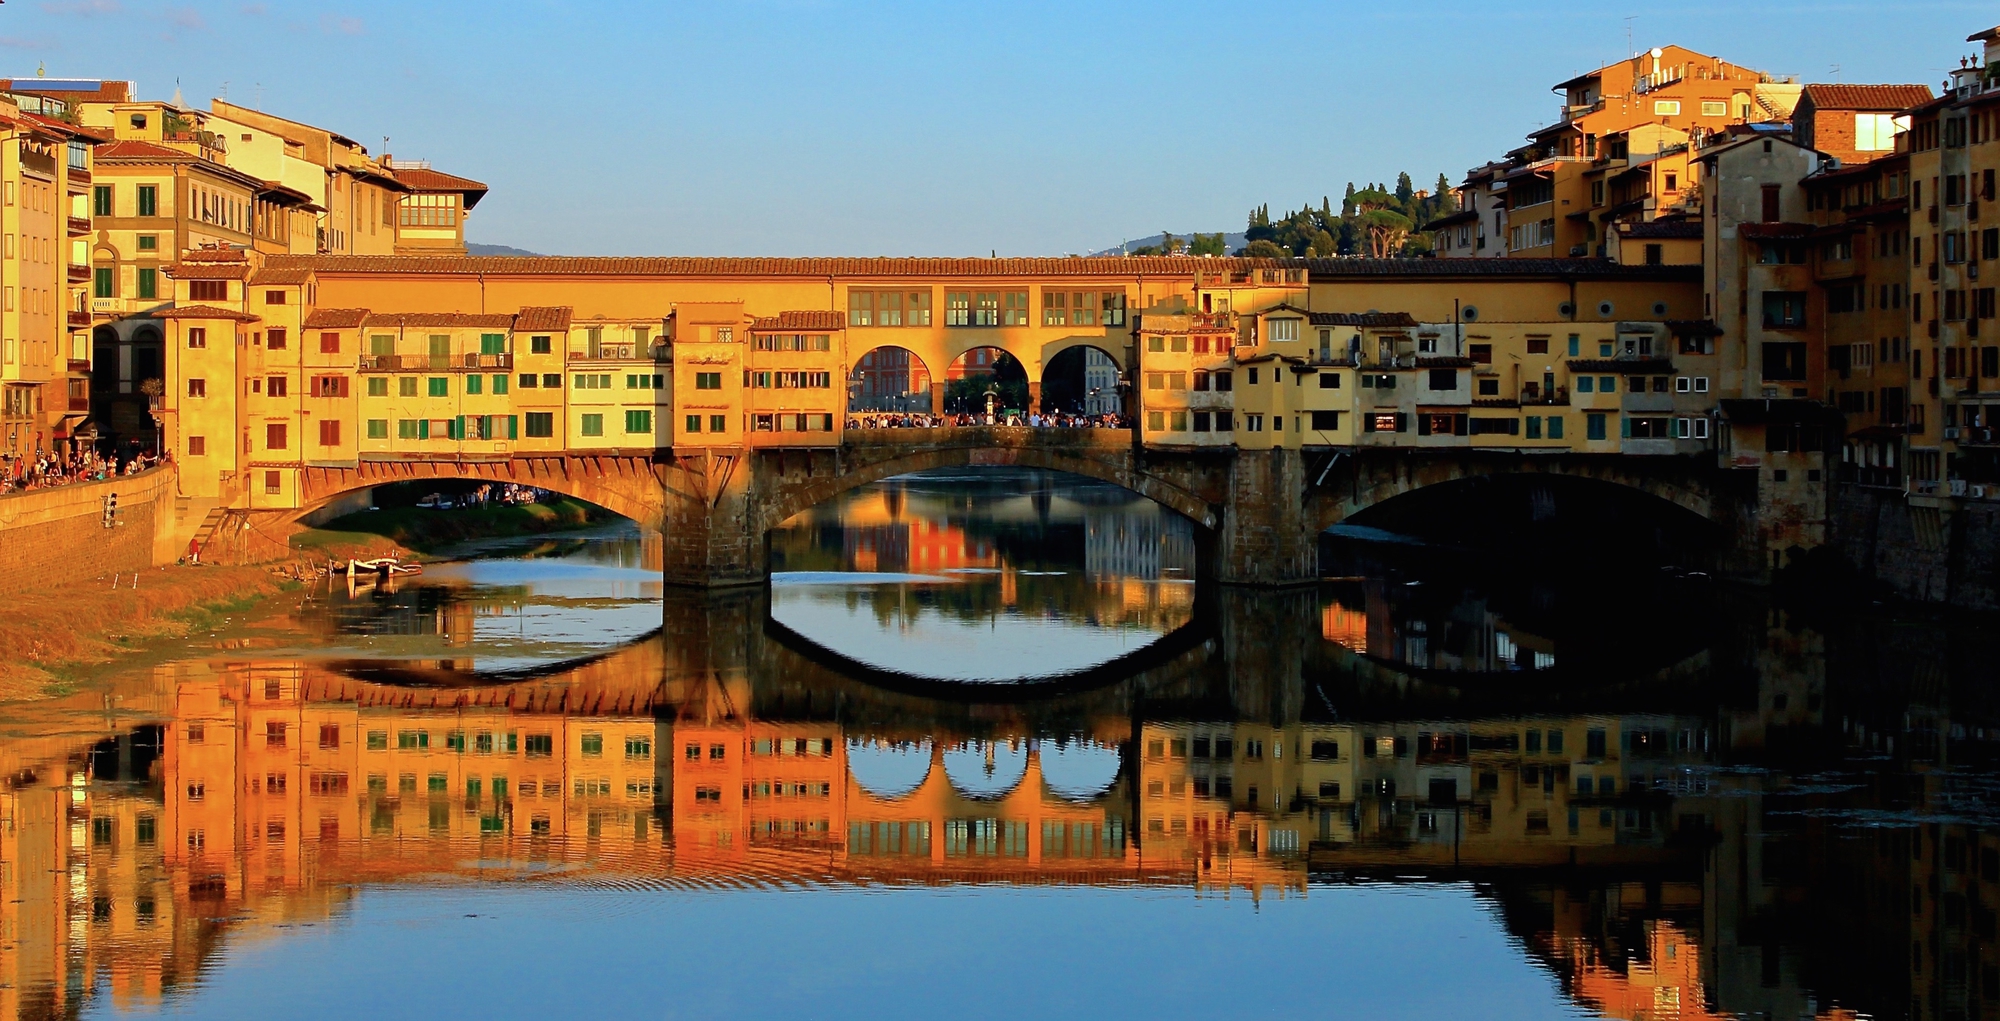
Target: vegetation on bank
column 423, row 530
column 60, row 634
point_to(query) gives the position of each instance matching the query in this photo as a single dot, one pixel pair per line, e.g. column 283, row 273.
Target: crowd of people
column 45, row 470
column 1030, row 420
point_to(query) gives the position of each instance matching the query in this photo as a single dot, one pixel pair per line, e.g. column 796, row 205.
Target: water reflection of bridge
column 257, row 792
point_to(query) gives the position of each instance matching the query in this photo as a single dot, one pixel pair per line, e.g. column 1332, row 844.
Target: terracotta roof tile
column 1365, row 320
column 1125, row 266
column 203, row 312
column 214, row 255
column 1867, row 97
column 800, row 322
column 279, row 277
column 208, row 271
column 336, row 319
column 443, row 320
column 425, row 180
column 547, row 318
column 133, row 149
column 1774, row 230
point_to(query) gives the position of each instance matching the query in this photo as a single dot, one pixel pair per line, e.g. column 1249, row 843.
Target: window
column 1327, row 381
column 718, row 423
column 475, row 384
column 1283, row 330
column 1714, row 108
column 541, row 424
column 1444, row 379
column 438, row 386
column 708, row 381
column 378, row 428
column 1325, row 420
column 208, row 290
column 406, row 386
column 104, row 282
column 591, row 425
column 1666, row 108
column 329, row 432
column 197, row 388
column 149, row 242
column 1784, row 310
column 1772, row 208
column 1784, row 361
column 100, row 200
column 693, row 424
column 149, row 200
column 638, row 421
column 149, row 282
column 889, row 308
column 274, row 436
column 1593, row 426
column 197, row 446
column 428, row 211
column 500, row 383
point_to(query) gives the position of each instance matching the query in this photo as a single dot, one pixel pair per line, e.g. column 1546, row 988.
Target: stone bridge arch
column 1106, row 455
column 1374, row 479
column 638, row 487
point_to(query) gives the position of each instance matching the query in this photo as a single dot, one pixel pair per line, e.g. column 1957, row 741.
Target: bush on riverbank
column 424, row 530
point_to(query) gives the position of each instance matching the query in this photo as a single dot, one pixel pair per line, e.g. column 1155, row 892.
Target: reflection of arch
column 1080, row 770
column 889, row 771
column 986, row 770
column 889, row 378
column 1082, row 377
column 1075, row 462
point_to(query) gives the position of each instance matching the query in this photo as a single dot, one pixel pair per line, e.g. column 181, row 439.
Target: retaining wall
column 55, row 536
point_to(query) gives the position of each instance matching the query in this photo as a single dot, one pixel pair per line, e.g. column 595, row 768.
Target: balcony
column 1534, row 396
column 80, row 366
column 38, row 163
column 79, row 403
column 79, row 177
column 78, row 317
column 79, row 274
column 79, row 226
column 432, row 363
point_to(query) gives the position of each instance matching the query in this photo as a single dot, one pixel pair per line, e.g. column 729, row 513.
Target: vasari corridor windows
column 889, row 308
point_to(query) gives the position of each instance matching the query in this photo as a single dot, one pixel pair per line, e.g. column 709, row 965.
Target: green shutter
column 423, row 428
column 511, row 434
column 458, row 426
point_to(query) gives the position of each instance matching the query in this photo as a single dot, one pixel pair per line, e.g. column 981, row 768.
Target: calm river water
column 984, row 748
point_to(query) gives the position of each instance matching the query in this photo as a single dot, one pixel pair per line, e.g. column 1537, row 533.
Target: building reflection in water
column 1764, row 858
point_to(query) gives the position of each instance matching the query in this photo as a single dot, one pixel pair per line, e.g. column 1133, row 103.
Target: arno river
column 985, row 748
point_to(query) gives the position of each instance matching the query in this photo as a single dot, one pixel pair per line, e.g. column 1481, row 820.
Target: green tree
column 1207, row 244
column 1404, row 189
column 1323, row 245
column 1263, row 249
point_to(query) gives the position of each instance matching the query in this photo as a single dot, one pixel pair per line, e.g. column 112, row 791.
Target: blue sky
column 819, row 127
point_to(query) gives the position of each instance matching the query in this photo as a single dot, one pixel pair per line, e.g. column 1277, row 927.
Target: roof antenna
column 260, row 95
column 1836, row 72
column 1628, row 35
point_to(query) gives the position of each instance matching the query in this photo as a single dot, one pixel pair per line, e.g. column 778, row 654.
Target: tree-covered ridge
column 1373, row 222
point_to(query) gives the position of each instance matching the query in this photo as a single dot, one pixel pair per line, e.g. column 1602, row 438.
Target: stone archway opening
column 890, row 379
column 987, row 379
column 1082, row 380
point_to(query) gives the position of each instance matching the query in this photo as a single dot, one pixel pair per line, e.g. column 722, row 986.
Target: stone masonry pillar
column 1265, row 537
column 709, row 538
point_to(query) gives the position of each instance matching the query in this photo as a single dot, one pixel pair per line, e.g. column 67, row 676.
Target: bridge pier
column 1265, row 536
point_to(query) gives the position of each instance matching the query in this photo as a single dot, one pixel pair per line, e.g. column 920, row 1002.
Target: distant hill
column 478, row 249
column 1233, row 241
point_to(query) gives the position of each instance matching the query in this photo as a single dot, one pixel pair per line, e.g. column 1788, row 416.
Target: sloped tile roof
column 278, row 277
column 1662, row 229
column 208, row 270
column 1563, row 269
column 1125, row 266
column 203, row 312
column 1867, row 97
column 443, row 320
column 133, row 149
column 549, row 318
column 214, row 255
column 336, row 319
column 423, row 180
column 801, row 322
column 1365, row 320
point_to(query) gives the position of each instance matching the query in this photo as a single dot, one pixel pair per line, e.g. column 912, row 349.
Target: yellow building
column 46, row 170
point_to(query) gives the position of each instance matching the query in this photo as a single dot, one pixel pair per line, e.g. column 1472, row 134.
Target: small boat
column 383, row 566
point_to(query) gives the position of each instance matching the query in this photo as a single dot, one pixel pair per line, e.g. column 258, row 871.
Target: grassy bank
column 425, row 531
column 62, row 633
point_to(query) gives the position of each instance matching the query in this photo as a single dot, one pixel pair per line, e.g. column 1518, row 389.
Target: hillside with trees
column 1373, row 222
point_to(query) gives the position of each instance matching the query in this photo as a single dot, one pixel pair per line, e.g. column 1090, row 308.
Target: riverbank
column 424, row 531
column 56, row 639
column 65, row 631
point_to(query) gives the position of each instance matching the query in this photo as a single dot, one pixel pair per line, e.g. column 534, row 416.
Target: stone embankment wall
column 54, row 536
column 1923, row 554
